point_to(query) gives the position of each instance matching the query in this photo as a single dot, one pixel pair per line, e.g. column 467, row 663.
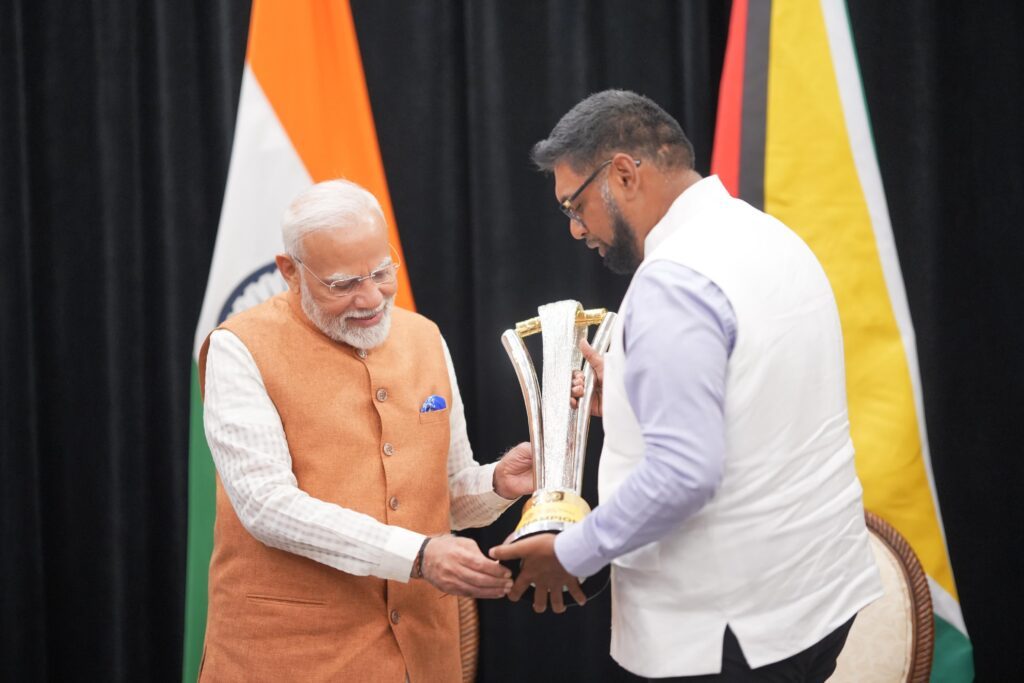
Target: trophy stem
column 600, row 343
column 515, row 347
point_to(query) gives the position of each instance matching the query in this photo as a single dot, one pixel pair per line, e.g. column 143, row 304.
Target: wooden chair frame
column 469, row 638
column 920, row 597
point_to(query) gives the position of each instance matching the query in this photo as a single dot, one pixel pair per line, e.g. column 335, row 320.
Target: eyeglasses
column 566, row 204
column 348, row 286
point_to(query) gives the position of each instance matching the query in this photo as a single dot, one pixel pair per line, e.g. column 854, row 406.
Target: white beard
column 338, row 327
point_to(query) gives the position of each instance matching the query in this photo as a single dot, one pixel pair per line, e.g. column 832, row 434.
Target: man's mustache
column 365, row 313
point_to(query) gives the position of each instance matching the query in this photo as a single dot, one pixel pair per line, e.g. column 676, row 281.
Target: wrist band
column 418, row 565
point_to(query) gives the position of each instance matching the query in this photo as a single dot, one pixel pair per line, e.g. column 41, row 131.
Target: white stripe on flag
column 858, row 129
column 265, row 174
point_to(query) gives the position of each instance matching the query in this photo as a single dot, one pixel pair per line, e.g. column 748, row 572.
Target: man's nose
column 368, row 295
column 577, row 229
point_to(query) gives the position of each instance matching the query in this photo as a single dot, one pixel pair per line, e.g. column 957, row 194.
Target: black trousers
column 813, row 665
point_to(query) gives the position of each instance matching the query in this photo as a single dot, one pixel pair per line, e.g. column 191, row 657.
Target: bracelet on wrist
column 417, row 567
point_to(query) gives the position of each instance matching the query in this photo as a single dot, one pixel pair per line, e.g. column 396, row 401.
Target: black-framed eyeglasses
column 348, row 286
column 567, row 205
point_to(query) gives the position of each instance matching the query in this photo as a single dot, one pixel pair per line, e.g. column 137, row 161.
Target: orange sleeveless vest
column 357, row 439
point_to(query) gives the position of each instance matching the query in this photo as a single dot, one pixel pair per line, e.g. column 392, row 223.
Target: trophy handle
column 515, row 347
column 601, row 342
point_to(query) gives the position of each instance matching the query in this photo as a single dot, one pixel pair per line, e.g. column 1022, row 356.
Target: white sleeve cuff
column 399, row 554
column 489, row 498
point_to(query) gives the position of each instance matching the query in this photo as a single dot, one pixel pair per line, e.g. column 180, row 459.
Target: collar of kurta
column 694, row 200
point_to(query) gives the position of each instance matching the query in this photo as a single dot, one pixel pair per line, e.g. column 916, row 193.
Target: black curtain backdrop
column 116, row 119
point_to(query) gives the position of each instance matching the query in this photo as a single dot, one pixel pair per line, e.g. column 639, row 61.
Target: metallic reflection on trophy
column 558, row 433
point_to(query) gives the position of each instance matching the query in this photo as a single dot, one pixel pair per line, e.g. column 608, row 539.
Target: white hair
column 328, row 205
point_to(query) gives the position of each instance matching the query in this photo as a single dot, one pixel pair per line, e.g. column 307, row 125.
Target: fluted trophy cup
column 558, row 432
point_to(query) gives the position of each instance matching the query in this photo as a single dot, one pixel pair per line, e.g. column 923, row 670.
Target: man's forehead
column 360, row 234
column 347, row 247
column 566, row 180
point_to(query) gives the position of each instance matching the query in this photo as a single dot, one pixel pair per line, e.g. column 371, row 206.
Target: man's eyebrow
column 334, row 277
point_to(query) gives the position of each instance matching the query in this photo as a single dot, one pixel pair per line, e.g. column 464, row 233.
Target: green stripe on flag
column 201, row 508
column 954, row 661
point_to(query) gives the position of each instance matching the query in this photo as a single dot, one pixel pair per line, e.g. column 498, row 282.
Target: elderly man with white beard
column 338, row 433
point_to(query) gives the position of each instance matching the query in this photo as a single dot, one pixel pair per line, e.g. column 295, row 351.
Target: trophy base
column 550, row 512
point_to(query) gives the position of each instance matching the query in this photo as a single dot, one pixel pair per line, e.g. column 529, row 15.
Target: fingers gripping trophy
column 558, row 432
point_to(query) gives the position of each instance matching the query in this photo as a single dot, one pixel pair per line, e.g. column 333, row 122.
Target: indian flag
column 793, row 138
column 303, row 116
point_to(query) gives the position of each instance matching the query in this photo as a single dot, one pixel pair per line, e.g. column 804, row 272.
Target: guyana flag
column 303, row 117
column 793, row 138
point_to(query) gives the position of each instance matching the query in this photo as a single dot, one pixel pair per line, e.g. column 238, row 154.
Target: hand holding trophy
column 559, row 420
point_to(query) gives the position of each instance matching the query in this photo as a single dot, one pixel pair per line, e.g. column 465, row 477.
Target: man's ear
column 289, row 271
column 626, row 174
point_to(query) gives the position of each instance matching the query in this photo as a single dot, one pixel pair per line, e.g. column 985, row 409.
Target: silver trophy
column 558, row 433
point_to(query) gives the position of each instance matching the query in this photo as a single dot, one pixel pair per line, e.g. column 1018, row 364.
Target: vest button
column 361, row 353
column 382, row 394
column 395, row 616
column 389, row 449
column 393, row 502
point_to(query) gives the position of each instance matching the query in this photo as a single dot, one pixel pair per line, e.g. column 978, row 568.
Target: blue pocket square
column 433, row 402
